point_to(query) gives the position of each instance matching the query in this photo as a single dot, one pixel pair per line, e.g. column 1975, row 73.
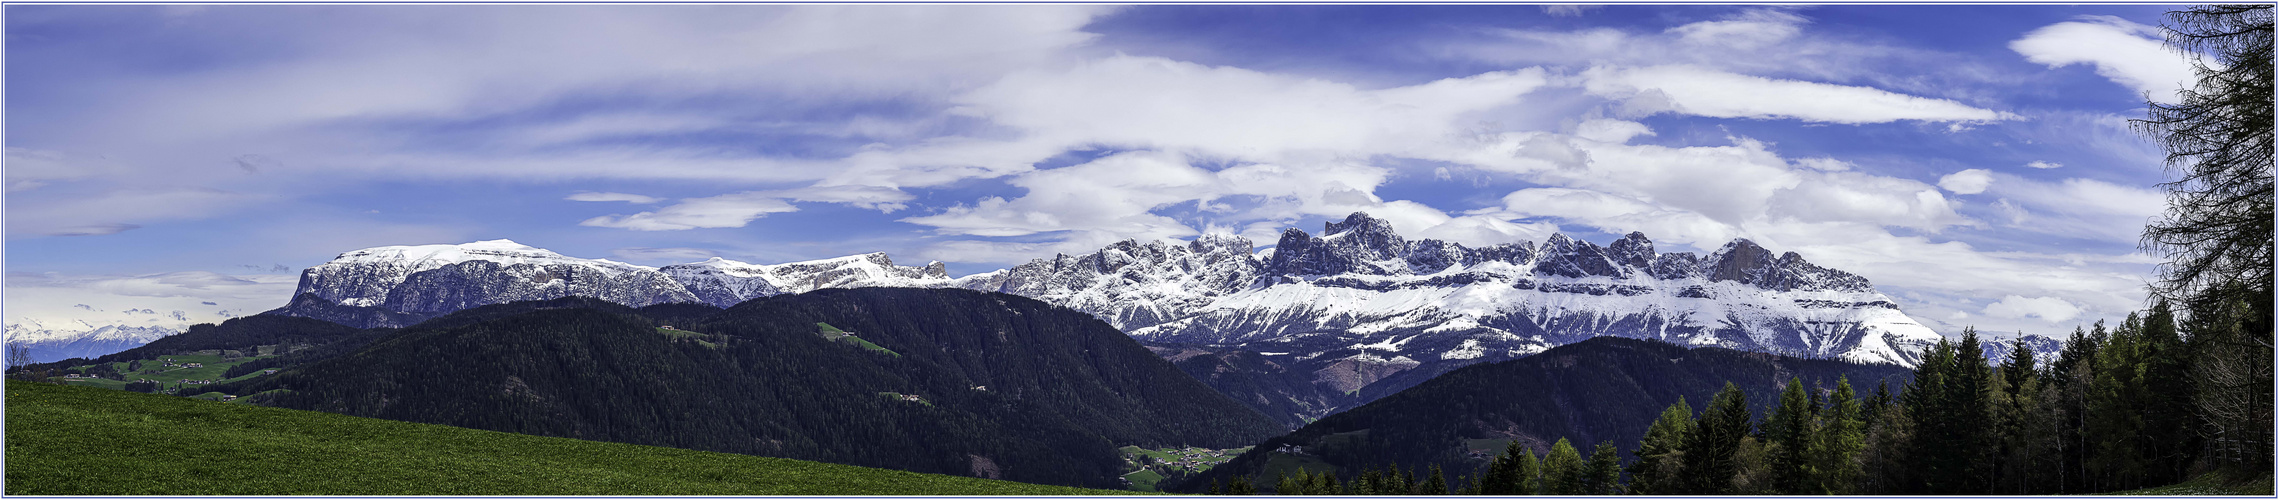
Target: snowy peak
column 1131, row 284
column 1572, row 258
column 1743, row 261
column 871, row 269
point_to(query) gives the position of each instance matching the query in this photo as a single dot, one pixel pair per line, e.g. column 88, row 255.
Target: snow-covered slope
column 1369, row 312
column 388, row 286
column 431, row 279
column 722, row 282
column 80, row 339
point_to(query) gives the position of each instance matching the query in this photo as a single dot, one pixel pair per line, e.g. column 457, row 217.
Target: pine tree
column 1503, row 477
column 2171, row 442
column 1660, row 454
column 1290, row 485
column 1241, row 486
column 1837, row 443
column 1563, row 470
column 1788, row 432
column 1709, row 466
column 1434, row 485
column 2116, row 422
column 1530, row 473
column 1603, row 471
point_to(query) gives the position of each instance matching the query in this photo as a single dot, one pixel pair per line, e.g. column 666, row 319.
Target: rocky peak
column 1572, row 258
column 1369, row 238
column 1744, row 262
column 1634, row 251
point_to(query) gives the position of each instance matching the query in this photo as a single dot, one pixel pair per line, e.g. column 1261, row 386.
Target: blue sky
column 1972, row 161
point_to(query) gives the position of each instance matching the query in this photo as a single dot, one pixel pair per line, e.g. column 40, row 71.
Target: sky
column 1975, row 162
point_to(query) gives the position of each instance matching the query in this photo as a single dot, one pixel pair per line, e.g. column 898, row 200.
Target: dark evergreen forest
column 1005, row 386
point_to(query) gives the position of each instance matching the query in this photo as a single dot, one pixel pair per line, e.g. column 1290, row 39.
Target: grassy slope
column 87, row 441
column 214, row 367
column 2208, row 484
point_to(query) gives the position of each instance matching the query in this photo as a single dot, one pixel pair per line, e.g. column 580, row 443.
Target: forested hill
column 944, row 381
column 1596, row 390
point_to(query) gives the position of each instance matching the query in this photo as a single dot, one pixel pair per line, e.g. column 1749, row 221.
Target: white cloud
column 1611, row 131
column 632, row 198
column 1824, row 164
column 2079, row 208
column 728, row 210
column 1970, row 181
column 1481, row 231
column 1155, row 103
column 1747, row 30
column 1707, row 92
column 2125, row 52
column 673, row 255
column 52, row 213
column 2043, row 164
column 60, row 300
column 2049, row 309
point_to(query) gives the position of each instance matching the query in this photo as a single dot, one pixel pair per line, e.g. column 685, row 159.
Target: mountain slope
column 1363, row 312
column 1590, row 391
column 145, row 444
column 1005, row 387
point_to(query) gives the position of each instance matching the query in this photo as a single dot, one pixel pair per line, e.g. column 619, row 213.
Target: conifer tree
column 1530, row 473
column 1241, row 486
column 2116, row 424
column 1434, row 485
column 1658, row 470
column 1603, row 471
column 1563, row 470
column 1709, row 466
column 1788, row 432
column 1836, row 445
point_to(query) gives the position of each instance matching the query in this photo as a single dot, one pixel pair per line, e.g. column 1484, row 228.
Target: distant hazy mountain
column 79, row 340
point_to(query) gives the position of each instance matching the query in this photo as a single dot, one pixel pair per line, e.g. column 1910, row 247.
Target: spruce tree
column 1530, row 473
column 1658, row 470
column 1563, row 470
column 1603, row 471
column 1789, row 434
column 1434, row 485
column 1836, row 444
column 1709, row 466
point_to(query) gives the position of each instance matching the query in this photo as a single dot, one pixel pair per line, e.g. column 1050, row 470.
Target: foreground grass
column 2209, row 484
column 87, row 441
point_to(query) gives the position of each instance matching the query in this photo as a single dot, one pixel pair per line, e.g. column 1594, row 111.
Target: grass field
column 85, row 441
column 214, row 365
column 1144, row 480
column 2208, row 484
column 835, row 334
column 679, row 334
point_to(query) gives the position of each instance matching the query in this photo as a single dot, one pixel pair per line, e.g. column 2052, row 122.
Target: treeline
column 2120, row 408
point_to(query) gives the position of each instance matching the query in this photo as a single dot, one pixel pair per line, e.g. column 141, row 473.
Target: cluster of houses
column 194, row 382
column 169, row 363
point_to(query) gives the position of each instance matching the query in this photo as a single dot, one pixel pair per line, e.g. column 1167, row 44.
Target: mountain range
column 79, row 340
column 1311, row 325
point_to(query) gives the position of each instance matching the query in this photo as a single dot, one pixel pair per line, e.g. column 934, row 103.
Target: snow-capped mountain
column 434, row 279
column 722, row 282
column 80, row 339
column 1369, row 312
column 395, row 286
column 1361, row 310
